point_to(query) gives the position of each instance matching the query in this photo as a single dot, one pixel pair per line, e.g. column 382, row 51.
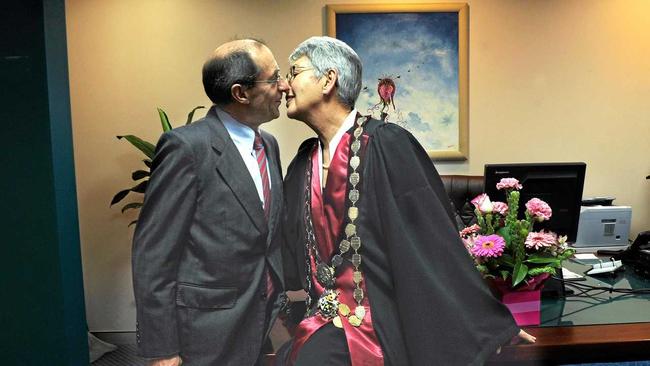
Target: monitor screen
column 558, row 184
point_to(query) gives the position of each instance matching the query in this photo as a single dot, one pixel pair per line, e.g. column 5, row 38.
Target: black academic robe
column 429, row 304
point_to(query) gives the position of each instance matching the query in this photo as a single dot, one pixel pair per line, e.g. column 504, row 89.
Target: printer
column 603, row 225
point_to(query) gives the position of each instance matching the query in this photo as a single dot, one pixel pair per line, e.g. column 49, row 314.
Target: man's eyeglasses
column 295, row 71
column 275, row 80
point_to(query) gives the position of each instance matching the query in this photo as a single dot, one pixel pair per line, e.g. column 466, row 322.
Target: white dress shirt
column 244, row 137
column 348, row 122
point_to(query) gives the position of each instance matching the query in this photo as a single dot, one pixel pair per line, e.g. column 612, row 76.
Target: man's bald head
column 231, row 63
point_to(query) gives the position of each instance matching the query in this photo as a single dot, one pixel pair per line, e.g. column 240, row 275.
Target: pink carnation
column 542, row 239
column 470, row 230
column 482, row 203
column 488, row 246
column 500, row 208
column 539, row 209
column 509, row 183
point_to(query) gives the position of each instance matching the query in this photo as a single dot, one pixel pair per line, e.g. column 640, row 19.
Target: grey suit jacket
column 201, row 247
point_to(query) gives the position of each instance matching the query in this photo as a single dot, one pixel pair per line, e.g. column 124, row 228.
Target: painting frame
column 461, row 151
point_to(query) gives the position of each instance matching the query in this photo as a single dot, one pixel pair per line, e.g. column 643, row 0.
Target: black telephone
column 638, row 254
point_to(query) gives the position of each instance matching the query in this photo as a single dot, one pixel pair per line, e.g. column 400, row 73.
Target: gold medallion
column 356, row 259
column 356, row 145
column 357, row 277
column 354, row 162
column 360, row 311
column 344, row 309
column 337, row 322
column 353, row 213
column 355, row 242
column 354, row 178
column 337, row 260
column 357, row 132
column 344, row 246
column 354, row 321
column 354, row 195
column 358, row 294
column 350, row 229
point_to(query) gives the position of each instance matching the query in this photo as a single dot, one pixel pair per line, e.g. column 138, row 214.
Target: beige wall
column 549, row 81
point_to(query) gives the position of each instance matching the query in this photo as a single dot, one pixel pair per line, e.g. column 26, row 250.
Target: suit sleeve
column 161, row 233
column 430, row 267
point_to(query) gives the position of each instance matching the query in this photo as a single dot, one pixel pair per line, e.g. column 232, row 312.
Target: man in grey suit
column 207, row 269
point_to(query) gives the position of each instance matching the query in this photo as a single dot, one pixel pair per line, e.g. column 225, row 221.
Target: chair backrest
column 461, row 189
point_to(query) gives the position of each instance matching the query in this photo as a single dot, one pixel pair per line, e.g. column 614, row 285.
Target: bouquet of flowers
column 506, row 248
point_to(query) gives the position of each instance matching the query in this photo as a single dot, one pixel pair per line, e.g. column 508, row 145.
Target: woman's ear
column 331, row 76
column 239, row 93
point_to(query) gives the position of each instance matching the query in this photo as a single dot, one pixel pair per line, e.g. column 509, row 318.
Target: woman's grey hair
column 326, row 53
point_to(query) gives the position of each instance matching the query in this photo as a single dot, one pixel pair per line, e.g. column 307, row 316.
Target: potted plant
column 141, row 176
column 513, row 257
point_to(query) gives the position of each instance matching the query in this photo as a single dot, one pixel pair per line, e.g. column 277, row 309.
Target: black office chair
column 461, row 189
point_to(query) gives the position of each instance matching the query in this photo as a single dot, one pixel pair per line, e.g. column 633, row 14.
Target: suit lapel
column 232, row 169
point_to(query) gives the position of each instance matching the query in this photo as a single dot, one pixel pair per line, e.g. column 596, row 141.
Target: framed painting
column 415, row 66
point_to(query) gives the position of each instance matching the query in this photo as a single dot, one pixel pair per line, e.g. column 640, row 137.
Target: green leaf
column 141, row 188
column 505, row 274
column 519, row 273
column 119, row 196
column 164, row 120
column 505, row 234
column 132, row 205
column 190, row 116
column 541, row 259
column 506, row 259
column 132, row 223
column 146, row 147
column 139, row 174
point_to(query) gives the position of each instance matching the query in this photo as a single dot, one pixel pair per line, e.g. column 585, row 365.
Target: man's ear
column 331, row 76
column 239, row 94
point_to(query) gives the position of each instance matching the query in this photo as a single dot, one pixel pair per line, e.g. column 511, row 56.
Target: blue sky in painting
column 420, row 48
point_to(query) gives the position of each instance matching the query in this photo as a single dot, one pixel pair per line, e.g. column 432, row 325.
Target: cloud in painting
column 419, row 51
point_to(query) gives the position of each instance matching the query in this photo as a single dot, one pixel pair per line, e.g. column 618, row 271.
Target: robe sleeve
column 446, row 312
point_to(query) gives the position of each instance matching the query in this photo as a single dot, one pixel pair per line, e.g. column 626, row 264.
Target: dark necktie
column 258, row 146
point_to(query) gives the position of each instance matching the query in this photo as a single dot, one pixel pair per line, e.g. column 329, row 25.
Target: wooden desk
column 586, row 343
column 603, row 328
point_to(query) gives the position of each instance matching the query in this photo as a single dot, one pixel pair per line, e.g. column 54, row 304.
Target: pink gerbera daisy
column 542, row 239
column 488, row 246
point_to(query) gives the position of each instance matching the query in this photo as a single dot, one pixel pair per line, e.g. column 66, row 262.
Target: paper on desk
column 571, row 276
column 586, row 258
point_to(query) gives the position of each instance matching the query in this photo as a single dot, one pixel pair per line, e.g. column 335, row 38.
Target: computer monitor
column 558, row 184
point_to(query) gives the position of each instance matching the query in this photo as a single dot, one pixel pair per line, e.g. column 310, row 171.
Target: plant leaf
column 119, row 196
column 139, row 174
column 142, row 187
column 190, row 116
column 132, row 222
column 505, row 274
column 146, row 147
column 541, row 259
column 132, row 205
column 519, row 273
column 164, row 120
column 506, row 259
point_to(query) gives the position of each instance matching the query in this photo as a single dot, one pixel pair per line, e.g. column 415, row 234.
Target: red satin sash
column 328, row 216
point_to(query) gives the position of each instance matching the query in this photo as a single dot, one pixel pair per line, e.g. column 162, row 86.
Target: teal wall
column 42, row 315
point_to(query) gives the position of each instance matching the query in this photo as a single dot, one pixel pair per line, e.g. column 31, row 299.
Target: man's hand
column 172, row 361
